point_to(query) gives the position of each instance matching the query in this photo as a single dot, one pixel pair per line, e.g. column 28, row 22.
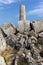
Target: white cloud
column 38, row 10
column 8, row 1
column 2, row 2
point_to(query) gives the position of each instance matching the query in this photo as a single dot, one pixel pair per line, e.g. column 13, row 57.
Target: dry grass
column 6, row 54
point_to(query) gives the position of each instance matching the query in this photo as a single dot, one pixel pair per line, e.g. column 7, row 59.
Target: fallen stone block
column 37, row 26
column 2, row 42
column 9, row 29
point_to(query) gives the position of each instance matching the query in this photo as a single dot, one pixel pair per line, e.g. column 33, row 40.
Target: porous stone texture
column 28, row 46
column 40, row 41
column 27, row 27
column 37, row 26
column 2, row 42
column 21, row 26
column 32, row 33
column 9, row 29
column 22, row 12
column 24, row 26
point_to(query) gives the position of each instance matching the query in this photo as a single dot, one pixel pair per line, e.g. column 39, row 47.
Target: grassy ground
column 6, row 54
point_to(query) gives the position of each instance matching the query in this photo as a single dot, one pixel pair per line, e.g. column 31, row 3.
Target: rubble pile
column 22, row 45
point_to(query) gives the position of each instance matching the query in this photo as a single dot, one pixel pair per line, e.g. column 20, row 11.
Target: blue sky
column 9, row 10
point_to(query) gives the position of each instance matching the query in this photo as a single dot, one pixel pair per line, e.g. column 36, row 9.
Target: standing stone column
column 23, row 24
column 22, row 12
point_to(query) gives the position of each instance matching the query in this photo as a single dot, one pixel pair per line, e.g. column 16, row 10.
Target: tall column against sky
column 22, row 12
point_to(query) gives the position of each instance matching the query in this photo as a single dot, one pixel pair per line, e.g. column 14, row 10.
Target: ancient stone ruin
column 22, row 45
column 2, row 42
column 22, row 12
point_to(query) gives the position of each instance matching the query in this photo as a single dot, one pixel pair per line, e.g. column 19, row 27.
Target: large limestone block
column 27, row 26
column 2, row 61
column 2, row 42
column 37, row 26
column 21, row 26
column 24, row 26
column 9, row 29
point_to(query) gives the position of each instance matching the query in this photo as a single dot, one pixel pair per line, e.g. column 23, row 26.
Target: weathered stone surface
column 28, row 41
column 24, row 26
column 22, row 41
column 12, row 40
column 40, row 41
column 41, row 54
column 22, row 12
column 32, row 33
column 21, row 52
column 33, row 39
column 19, row 35
column 27, row 26
column 28, row 56
column 37, row 63
column 2, row 61
column 9, row 29
column 21, row 26
column 16, row 60
column 2, row 42
column 37, row 26
column 41, row 63
column 41, row 35
column 34, row 51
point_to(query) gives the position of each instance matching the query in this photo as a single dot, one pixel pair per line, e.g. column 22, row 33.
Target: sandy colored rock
column 22, row 12
column 24, row 26
column 9, row 29
column 32, row 33
column 21, row 26
column 37, row 26
column 2, row 42
column 27, row 26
